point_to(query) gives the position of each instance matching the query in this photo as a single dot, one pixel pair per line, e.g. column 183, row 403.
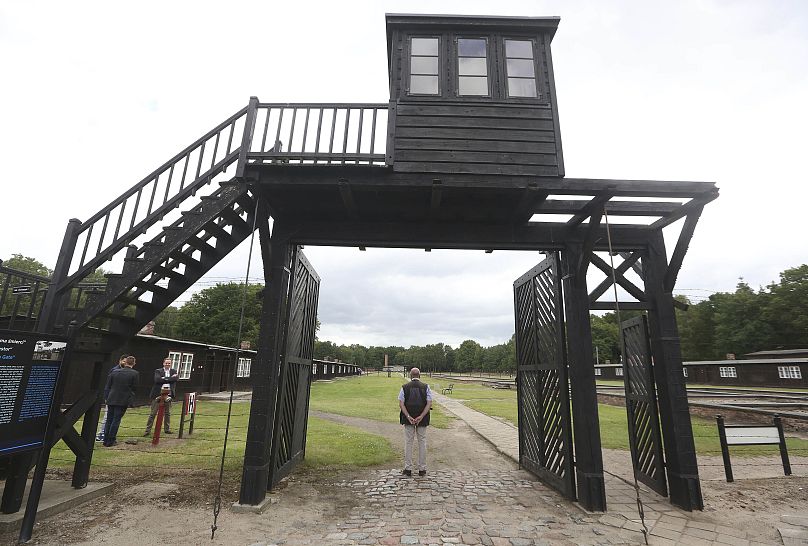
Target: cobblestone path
column 489, row 507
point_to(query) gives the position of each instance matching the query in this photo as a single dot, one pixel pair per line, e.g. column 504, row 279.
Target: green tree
column 785, row 309
column 212, row 315
column 27, row 265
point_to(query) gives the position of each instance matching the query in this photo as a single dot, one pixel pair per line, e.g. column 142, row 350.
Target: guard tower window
column 521, row 68
column 424, row 66
column 472, row 67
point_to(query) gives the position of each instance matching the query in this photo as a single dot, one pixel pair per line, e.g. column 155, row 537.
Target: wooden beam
column 624, row 283
column 588, row 244
column 348, row 199
column 619, row 208
column 696, row 203
column 680, row 249
column 589, row 209
column 375, row 177
column 624, row 305
column 460, row 235
column 634, row 265
column 531, row 198
column 629, row 260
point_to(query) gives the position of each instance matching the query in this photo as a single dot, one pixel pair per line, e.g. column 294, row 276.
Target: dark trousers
column 155, row 406
column 113, row 422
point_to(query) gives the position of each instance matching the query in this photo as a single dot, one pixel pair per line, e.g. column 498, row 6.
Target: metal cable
column 640, row 508
column 217, row 500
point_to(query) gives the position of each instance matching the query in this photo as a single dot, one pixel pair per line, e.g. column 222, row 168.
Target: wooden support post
column 778, row 422
column 677, row 431
column 255, row 475
column 588, row 455
column 246, row 138
column 16, row 478
column 52, row 305
column 722, row 438
column 89, row 428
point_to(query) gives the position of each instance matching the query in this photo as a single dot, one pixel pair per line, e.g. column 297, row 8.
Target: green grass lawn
column 329, row 444
column 368, row 396
column 613, row 425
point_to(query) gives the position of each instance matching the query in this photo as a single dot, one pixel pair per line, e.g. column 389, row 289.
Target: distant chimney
column 147, row 330
column 245, row 344
column 386, row 364
column 730, row 356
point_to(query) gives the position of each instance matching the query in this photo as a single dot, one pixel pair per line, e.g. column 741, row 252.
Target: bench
column 448, row 390
column 738, row 435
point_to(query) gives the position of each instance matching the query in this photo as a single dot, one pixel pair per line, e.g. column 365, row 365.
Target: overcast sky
column 95, row 95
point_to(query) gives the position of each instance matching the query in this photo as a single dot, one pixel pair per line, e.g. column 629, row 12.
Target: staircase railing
column 320, row 134
column 115, row 226
column 21, row 297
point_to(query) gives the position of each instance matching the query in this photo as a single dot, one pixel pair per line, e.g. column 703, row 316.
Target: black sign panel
column 22, row 289
column 29, row 369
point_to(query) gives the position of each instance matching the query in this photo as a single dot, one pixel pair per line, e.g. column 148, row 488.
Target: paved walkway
column 666, row 523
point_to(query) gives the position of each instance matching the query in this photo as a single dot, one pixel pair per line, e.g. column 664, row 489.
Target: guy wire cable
column 640, row 508
column 217, row 501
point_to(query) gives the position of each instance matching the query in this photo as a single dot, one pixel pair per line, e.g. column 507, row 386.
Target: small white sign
column 752, row 435
column 191, row 403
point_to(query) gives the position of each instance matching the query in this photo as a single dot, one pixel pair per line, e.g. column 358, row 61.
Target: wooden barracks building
column 779, row 368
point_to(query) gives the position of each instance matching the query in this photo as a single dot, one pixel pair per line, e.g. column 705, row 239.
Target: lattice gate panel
column 294, row 385
column 641, row 406
column 545, row 432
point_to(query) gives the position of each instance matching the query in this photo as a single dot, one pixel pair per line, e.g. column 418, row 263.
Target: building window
column 727, row 371
column 684, row 372
column 243, row 369
column 598, row 371
column 186, row 363
column 618, row 372
column 789, row 372
column 472, row 67
column 424, row 66
column 521, row 68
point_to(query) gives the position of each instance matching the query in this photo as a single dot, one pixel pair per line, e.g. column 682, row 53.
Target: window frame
column 186, row 366
column 598, row 372
column 441, row 66
column 728, row 372
column 503, row 57
column 618, row 372
column 489, row 75
column 789, row 372
column 684, row 371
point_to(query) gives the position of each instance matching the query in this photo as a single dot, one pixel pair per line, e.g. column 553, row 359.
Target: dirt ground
column 165, row 507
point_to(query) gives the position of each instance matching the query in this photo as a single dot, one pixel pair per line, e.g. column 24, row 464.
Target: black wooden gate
column 545, row 434
column 641, row 406
column 291, row 414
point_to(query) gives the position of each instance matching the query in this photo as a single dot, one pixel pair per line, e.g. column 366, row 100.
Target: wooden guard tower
column 465, row 154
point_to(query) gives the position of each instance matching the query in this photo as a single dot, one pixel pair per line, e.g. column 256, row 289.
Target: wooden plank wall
column 489, row 138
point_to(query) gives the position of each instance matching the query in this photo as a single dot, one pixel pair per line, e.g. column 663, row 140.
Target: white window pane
column 424, row 85
column 473, row 85
column 467, row 47
column 424, row 46
column 521, row 87
column 467, row 66
column 424, row 65
column 521, row 49
column 521, row 68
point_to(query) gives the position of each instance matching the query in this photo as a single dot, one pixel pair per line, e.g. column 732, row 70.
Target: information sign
column 191, row 403
column 29, row 369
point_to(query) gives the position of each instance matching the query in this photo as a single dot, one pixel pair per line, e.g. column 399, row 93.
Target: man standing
column 164, row 378
column 100, row 436
column 415, row 401
column 119, row 393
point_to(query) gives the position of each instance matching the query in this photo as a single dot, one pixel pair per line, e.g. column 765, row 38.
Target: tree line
column 739, row 322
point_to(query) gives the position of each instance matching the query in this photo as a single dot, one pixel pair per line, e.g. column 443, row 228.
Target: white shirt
column 428, row 393
column 167, row 374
